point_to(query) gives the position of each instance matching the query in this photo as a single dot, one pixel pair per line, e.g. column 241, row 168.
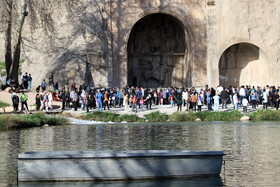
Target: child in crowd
column 130, row 101
column 141, row 102
column 199, row 102
column 171, row 99
column 245, row 104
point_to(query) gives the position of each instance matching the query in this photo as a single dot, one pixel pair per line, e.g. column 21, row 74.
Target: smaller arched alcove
column 243, row 64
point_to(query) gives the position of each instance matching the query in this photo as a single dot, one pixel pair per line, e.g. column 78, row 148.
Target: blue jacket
column 99, row 97
column 139, row 94
column 120, row 94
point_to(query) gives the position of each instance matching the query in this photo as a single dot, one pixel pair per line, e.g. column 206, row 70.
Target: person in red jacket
column 134, row 103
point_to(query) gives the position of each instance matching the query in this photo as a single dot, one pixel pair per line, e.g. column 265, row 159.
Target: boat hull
column 95, row 165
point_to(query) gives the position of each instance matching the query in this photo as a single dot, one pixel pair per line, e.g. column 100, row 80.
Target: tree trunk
column 16, row 57
column 8, row 54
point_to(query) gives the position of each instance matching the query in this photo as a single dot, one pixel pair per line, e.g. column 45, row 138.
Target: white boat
column 117, row 165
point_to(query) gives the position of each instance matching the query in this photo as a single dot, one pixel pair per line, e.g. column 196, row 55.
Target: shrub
column 31, row 120
column 260, row 115
column 219, row 116
column 156, row 117
column 103, row 116
column 180, row 117
column 129, row 118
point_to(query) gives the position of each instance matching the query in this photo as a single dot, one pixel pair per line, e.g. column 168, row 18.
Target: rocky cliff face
column 87, row 41
column 250, row 22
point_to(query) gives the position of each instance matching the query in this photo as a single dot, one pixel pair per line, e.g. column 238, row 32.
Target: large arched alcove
column 157, row 52
column 243, row 64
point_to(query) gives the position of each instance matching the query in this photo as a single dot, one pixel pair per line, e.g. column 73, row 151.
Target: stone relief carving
column 153, row 47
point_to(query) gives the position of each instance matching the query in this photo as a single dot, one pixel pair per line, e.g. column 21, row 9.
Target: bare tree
column 13, row 15
column 13, row 19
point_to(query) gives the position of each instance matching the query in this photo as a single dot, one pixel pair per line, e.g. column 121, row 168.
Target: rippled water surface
column 253, row 149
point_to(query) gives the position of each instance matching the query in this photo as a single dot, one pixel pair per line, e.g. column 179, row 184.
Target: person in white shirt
column 186, row 98
column 242, row 93
column 245, row 104
column 265, row 99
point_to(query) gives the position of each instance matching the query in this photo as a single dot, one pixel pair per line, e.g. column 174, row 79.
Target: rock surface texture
column 188, row 42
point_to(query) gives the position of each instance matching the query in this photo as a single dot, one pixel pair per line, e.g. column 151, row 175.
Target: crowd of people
column 16, row 87
column 138, row 98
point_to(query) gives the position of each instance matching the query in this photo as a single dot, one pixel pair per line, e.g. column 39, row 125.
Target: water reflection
column 252, row 149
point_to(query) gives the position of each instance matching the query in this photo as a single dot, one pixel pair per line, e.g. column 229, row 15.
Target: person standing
column 216, row 102
column 25, row 80
column 193, row 100
column 171, row 99
column 106, row 100
column 87, row 101
column 224, row 96
column 63, row 98
column 245, row 104
column 155, row 98
column 149, row 100
column 125, row 103
column 179, row 102
column 164, row 96
column 160, row 98
column 24, row 99
column 276, row 99
column 29, row 81
column 120, row 96
column 99, row 98
column 186, row 98
column 38, row 102
column 265, row 99
column 254, row 98
column 15, row 100
column 199, row 102
column 50, row 102
column 235, row 101
column 134, row 103
column 242, row 93
column 82, row 97
column 74, row 98
column 44, row 85
column 209, row 99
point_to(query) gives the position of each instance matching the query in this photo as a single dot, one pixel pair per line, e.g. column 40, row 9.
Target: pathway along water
column 252, row 149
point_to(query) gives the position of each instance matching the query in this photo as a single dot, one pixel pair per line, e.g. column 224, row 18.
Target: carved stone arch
column 157, row 51
column 243, row 64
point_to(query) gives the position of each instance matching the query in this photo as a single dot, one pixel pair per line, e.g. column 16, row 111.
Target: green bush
column 219, row 116
column 180, row 117
column 29, row 120
column 261, row 115
column 3, row 105
column 103, row 116
column 156, row 117
column 129, row 118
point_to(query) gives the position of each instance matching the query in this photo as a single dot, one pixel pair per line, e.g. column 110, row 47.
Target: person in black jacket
column 148, row 100
column 15, row 100
column 224, row 96
column 38, row 102
column 63, row 98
